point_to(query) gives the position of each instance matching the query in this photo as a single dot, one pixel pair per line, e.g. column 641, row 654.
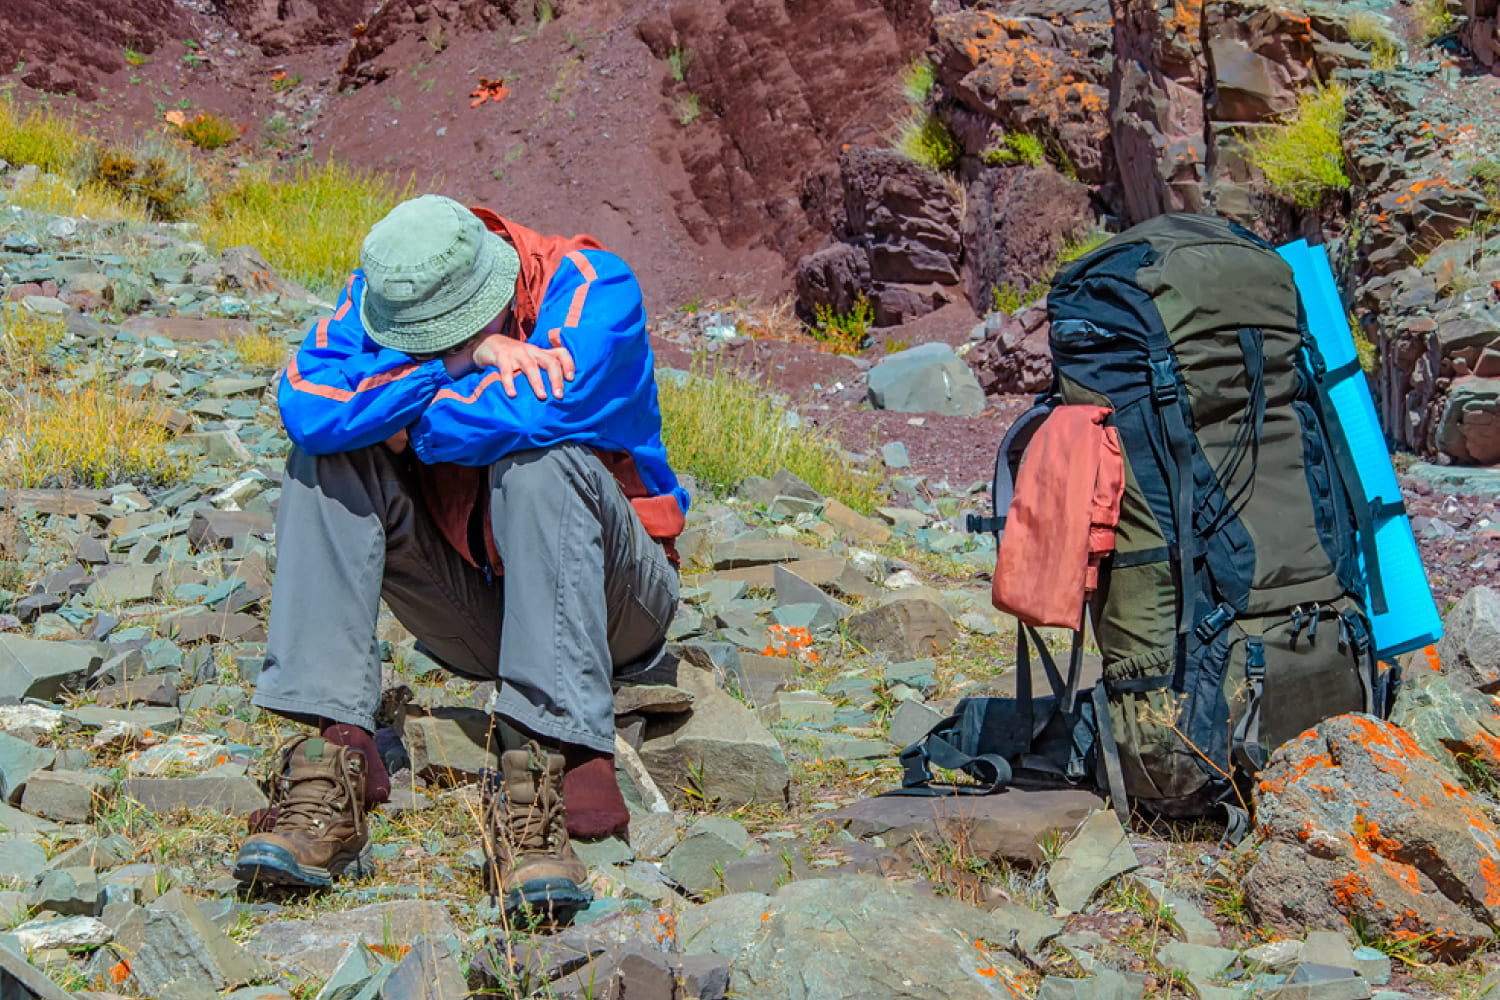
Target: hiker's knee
column 550, row 477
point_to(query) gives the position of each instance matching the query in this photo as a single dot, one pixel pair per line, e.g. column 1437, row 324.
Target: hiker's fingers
column 531, row 367
column 507, row 379
column 555, row 372
column 565, row 359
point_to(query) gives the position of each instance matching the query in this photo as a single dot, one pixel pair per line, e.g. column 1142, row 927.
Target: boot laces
column 307, row 804
column 530, row 828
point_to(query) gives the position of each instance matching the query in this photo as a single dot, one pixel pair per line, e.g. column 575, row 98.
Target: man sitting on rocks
column 476, row 439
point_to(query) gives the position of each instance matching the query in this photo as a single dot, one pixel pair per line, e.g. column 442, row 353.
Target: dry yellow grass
column 51, row 193
column 262, row 350
column 93, row 436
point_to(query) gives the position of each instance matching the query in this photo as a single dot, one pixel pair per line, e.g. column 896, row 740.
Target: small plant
column 435, row 37
column 687, row 110
column 917, row 81
column 154, row 183
column 925, row 140
column 1486, row 176
column 283, row 81
column 209, row 131
column 39, row 136
column 1079, row 246
column 678, row 61
column 261, row 350
column 1017, row 148
column 895, row 345
column 1368, row 31
column 1303, row 158
column 1432, row 20
column 1009, row 298
column 135, row 58
column 194, row 55
column 544, row 15
column 844, row 333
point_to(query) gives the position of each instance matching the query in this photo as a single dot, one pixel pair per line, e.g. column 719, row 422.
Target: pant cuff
column 518, row 710
column 309, row 712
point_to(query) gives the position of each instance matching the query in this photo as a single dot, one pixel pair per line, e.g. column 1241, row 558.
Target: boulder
column 452, row 746
column 928, row 378
column 66, row 796
column 1480, row 32
column 909, row 628
column 238, row 795
column 176, row 945
column 1470, row 648
column 697, row 862
column 1359, row 825
column 907, row 217
column 1014, row 357
column 1470, row 427
column 719, row 752
column 1456, row 726
column 1019, row 218
column 833, row 278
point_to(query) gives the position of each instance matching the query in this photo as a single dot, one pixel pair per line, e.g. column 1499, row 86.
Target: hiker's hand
column 512, row 357
column 398, row 441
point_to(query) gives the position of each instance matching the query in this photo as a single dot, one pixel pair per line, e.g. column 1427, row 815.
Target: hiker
column 476, row 439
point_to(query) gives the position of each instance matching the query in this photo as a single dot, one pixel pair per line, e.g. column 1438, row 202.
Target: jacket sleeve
column 342, row 391
column 593, row 300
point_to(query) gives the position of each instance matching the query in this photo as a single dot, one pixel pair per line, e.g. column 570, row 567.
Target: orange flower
column 119, row 972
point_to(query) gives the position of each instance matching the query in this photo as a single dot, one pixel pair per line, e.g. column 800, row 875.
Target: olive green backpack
column 1231, row 616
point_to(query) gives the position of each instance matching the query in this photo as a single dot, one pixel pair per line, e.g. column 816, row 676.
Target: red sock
column 377, row 779
column 592, row 795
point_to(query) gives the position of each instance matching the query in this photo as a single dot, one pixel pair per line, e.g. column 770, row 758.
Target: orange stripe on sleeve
column 322, row 332
column 484, row 384
column 333, row 392
column 575, row 310
column 582, row 263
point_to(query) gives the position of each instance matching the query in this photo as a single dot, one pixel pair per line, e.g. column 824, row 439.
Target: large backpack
column 1231, row 615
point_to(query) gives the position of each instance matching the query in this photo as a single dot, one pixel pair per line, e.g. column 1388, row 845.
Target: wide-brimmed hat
column 434, row 276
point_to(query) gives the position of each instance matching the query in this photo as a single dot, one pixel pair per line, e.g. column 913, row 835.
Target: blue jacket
column 343, row 391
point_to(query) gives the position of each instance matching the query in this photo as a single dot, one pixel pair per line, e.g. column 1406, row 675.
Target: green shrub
column 1008, row 298
column 844, row 333
column 678, row 61
column 310, row 223
column 209, row 131
column 1018, row 147
column 163, row 187
column 1303, row 158
column 926, row 141
column 1078, row 246
column 721, row 427
column 687, row 110
column 917, row 81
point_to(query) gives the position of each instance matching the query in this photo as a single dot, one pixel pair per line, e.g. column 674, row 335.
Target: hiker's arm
column 593, row 309
column 343, row 391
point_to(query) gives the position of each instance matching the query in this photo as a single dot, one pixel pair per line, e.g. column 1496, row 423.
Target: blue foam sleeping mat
column 1411, row 618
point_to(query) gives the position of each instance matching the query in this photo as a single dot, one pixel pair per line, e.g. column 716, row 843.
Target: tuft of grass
column 926, row 141
column 917, row 81
column 165, row 189
column 261, row 350
column 92, row 437
column 272, row 212
column 25, row 339
column 52, row 194
column 1368, row 31
column 678, row 61
column 1079, row 246
column 721, row 427
column 687, row 110
column 1303, row 158
column 1432, row 20
column 135, row 58
column 282, row 81
column 844, row 333
column 209, row 131
column 39, row 136
column 1018, row 147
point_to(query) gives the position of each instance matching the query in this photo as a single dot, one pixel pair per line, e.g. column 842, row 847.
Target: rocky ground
column 813, row 641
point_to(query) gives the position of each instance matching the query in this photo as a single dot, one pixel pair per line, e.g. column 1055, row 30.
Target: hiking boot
column 531, row 864
column 317, row 819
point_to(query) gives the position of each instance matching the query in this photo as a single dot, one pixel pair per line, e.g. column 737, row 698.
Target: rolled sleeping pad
column 1411, row 619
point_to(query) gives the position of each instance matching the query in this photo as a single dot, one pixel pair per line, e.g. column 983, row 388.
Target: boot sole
column 267, row 864
column 557, row 900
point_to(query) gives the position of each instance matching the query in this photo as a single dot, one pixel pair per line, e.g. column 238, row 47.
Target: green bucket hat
column 434, row 276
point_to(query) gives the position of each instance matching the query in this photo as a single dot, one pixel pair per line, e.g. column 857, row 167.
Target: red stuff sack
column 1058, row 521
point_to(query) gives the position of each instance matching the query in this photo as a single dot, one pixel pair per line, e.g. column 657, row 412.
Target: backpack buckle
column 1163, row 382
column 1255, row 661
column 1214, row 622
column 915, row 771
column 978, row 525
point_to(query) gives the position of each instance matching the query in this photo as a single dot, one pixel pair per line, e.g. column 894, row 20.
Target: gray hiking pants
column 586, row 594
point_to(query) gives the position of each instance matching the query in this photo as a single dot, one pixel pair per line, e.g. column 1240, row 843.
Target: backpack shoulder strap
column 1007, row 458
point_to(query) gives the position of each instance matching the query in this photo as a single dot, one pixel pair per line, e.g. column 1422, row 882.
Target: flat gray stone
column 452, row 746
column 928, row 378
column 1009, row 825
column 1189, row 921
column 429, row 971
column 697, row 862
column 307, row 948
column 906, row 627
column 21, row 861
column 793, row 589
column 912, row 720
column 1196, row 960
column 20, row 979
column 1098, row 852
column 652, row 699
column 18, row 761
column 66, row 796
column 238, row 795
column 32, row 668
